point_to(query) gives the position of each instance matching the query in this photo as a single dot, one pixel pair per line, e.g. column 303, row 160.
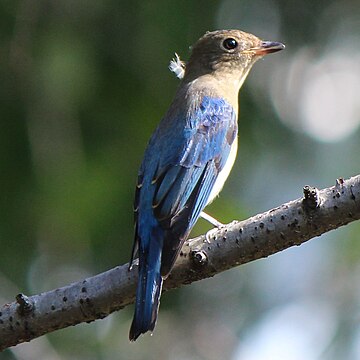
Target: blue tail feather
column 149, row 287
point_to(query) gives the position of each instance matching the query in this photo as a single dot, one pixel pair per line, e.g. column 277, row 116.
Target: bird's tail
column 148, row 289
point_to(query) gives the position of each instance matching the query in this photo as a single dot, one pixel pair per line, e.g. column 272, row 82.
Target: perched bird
column 188, row 158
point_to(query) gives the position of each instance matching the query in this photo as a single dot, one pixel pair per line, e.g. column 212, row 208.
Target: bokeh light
column 316, row 89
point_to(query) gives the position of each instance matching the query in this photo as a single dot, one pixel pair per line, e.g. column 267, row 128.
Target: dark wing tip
column 134, row 332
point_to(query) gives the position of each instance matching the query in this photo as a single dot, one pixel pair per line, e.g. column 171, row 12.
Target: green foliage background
column 82, row 86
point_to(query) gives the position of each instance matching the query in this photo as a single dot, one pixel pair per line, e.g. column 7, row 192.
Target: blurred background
column 82, row 86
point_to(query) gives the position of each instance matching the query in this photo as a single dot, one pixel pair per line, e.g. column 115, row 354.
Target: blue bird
column 188, row 158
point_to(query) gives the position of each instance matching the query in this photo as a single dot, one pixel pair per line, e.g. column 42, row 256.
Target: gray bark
column 237, row 243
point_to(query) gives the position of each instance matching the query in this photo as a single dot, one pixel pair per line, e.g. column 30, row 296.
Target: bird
column 188, row 158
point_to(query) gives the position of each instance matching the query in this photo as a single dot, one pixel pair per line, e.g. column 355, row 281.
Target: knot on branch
column 311, row 199
column 25, row 305
column 199, row 257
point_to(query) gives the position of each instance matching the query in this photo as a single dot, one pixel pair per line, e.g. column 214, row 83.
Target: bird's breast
column 224, row 173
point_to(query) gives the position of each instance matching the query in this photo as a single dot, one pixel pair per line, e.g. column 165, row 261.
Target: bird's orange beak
column 268, row 47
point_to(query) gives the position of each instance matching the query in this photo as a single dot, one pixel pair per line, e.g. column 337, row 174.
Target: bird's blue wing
column 182, row 186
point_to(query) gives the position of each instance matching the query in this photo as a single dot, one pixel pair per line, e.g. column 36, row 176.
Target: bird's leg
column 211, row 220
column 218, row 225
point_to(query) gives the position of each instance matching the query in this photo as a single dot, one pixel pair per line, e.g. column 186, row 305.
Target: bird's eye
column 230, row 44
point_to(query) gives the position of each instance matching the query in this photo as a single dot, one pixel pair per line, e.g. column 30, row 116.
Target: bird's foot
column 218, row 225
column 211, row 233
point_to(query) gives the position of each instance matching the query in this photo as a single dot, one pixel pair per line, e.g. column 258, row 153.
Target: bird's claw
column 212, row 232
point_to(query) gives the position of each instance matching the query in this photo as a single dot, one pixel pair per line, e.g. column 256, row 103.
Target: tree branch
column 237, row 243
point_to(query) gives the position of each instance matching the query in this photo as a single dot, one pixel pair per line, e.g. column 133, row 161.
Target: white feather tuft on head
column 177, row 66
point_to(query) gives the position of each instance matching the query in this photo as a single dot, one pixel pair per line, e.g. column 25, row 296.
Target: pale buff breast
column 224, row 173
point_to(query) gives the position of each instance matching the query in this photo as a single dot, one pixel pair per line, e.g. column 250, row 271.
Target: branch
column 236, row 243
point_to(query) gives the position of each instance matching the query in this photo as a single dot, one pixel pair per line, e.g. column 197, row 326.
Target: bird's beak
column 267, row 47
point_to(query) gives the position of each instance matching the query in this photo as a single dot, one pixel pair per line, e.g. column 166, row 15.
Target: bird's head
column 227, row 52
